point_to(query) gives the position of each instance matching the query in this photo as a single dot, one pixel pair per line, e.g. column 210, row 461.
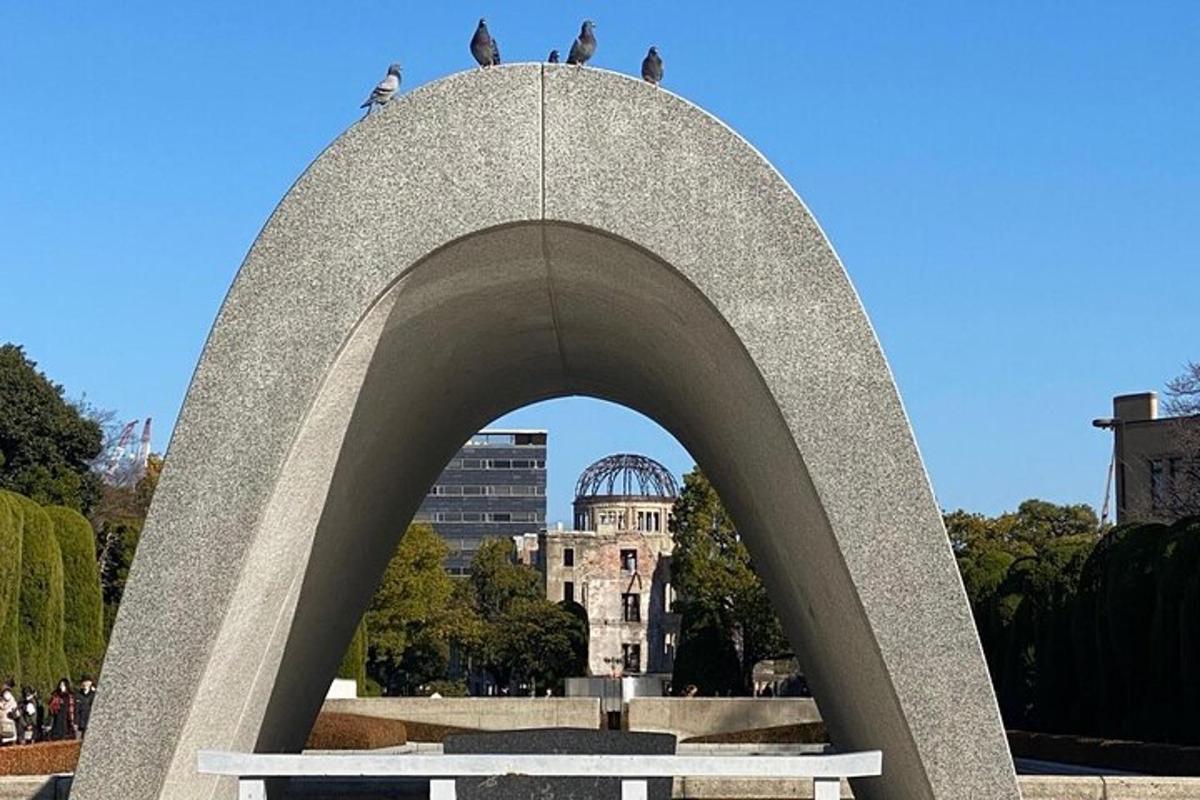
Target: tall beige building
column 1156, row 460
column 616, row 564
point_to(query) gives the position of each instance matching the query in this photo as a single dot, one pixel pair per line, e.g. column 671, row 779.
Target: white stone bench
column 253, row 770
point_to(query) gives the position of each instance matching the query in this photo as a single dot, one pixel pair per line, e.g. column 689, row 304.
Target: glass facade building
column 495, row 486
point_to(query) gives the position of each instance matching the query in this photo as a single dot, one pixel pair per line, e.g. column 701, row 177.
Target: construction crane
column 113, row 463
column 143, row 453
column 123, row 466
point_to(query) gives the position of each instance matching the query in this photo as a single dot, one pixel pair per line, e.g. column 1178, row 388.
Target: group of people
column 27, row 720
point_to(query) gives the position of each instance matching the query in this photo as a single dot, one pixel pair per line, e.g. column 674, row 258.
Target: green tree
column 354, row 663
column 499, row 580
column 83, row 615
column 43, row 660
column 533, row 643
column 416, row 615
column 524, row 639
column 706, row 657
column 578, row 630
column 1038, row 522
column 1022, row 572
column 46, row 444
column 12, row 521
column 717, row 584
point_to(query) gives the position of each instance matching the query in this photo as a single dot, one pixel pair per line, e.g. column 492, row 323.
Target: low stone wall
column 1056, row 787
column 483, row 713
column 699, row 716
column 35, row 787
column 1033, row 787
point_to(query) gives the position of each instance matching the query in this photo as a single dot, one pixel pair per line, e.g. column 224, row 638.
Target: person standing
column 9, row 714
column 62, row 711
column 83, row 702
column 31, row 716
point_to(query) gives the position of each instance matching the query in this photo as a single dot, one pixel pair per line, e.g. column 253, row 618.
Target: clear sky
column 1013, row 187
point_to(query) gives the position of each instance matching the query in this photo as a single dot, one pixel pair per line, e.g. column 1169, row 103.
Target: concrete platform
column 1040, row 787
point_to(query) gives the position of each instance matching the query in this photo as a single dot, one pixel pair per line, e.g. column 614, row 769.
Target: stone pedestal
column 558, row 741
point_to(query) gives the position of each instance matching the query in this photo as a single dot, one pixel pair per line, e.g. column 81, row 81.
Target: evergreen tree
column 717, row 586
column 83, row 615
column 46, row 444
column 40, row 634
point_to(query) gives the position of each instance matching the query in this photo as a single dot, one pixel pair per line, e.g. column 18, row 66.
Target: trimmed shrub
column 83, row 610
column 42, row 759
column 336, row 731
column 12, row 517
column 1100, row 639
column 354, row 663
column 432, row 731
column 40, row 637
column 801, row 733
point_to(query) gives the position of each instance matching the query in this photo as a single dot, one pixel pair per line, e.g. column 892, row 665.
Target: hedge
column 337, row 731
column 1100, row 639
column 40, row 638
column 12, row 516
column 83, row 615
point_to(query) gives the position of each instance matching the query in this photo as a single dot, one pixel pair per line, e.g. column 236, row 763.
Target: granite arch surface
column 538, row 231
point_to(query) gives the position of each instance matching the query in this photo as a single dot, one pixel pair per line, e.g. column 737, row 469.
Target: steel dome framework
column 626, row 475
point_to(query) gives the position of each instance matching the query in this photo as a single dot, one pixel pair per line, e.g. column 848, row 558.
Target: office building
column 495, row 486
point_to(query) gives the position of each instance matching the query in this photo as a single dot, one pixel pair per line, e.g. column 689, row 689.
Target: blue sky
column 1013, row 187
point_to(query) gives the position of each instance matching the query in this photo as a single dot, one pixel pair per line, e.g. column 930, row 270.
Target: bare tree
column 1183, row 392
column 1181, row 480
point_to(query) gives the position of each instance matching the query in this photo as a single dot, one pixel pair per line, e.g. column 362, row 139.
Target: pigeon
column 584, row 46
column 553, row 59
column 483, row 46
column 384, row 90
column 652, row 68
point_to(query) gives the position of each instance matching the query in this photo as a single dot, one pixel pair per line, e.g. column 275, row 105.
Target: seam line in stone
column 542, row 142
column 554, row 316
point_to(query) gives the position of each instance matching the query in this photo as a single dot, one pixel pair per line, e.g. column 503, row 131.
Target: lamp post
column 1113, row 424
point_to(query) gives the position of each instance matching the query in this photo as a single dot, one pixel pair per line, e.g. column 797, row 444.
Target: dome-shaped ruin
column 626, row 475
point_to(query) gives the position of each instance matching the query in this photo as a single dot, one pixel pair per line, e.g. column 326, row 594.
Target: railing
column 253, row 770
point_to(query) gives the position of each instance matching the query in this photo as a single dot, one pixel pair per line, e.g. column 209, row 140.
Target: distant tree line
column 60, row 582
column 1086, row 631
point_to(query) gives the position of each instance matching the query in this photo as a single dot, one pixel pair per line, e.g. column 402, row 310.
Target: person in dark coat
column 83, row 702
column 62, row 711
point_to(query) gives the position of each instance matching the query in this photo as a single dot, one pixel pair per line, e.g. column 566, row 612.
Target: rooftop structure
column 1156, row 460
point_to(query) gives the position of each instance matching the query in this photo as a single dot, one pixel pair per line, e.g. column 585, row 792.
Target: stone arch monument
column 489, row 240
